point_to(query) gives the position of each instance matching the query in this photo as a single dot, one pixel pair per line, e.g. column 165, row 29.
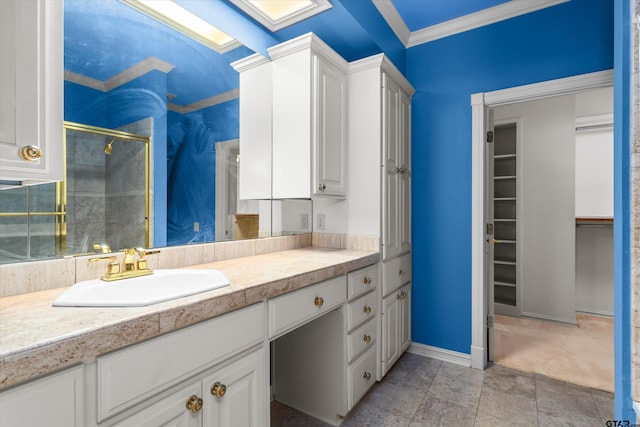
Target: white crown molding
column 382, row 62
column 308, row 41
column 274, row 25
column 549, row 88
column 249, row 62
column 138, row 70
column 142, row 68
column 131, row 73
column 479, row 19
column 393, row 18
column 205, row 103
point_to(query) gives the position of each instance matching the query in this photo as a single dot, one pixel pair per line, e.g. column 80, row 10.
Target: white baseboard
column 440, row 354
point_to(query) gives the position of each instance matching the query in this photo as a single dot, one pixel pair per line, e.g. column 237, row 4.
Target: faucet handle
column 113, row 266
column 141, row 264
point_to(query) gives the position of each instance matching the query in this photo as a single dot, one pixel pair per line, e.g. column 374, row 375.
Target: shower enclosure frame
column 61, row 188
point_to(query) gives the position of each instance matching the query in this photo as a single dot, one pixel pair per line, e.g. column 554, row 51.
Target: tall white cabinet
column 380, row 185
column 31, row 84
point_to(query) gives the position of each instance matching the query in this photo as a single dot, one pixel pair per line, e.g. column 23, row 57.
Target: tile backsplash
column 21, row 278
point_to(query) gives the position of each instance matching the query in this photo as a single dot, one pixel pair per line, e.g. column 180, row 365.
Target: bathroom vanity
column 205, row 359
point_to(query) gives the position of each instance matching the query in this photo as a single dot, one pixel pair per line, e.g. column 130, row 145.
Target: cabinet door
column 255, row 132
column 390, row 331
column 55, row 401
column 404, row 318
column 404, row 182
column 329, row 129
column 392, row 164
column 172, row 411
column 236, row 394
column 31, row 84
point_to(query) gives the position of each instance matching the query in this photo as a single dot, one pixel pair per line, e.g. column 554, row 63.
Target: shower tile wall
column 86, row 167
column 125, row 195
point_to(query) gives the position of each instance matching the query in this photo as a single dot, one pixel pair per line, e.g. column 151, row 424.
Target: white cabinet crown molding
column 382, row 62
column 309, row 41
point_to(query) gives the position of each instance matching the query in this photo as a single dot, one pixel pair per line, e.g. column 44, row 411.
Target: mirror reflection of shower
column 107, row 191
column 109, row 147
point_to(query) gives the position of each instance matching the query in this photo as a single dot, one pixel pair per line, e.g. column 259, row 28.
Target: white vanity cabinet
column 54, row 401
column 379, row 153
column 229, row 396
column 362, row 332
column 396, row 309
column 31, row 84
column 255, row 127
column 212, row 374
column 309, row 119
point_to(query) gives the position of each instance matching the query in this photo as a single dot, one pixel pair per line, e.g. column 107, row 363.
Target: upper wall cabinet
column 255, row 127
column 31, row 84
column 309, row 119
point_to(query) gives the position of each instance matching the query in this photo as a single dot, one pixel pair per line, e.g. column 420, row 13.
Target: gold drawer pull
column 366, row 376
column 402, row 272
column 367, row 280
column 318, row 302
column 366, row 338
column 30, row 153
column 194, row 404
column 367, row 309
column 218, row 390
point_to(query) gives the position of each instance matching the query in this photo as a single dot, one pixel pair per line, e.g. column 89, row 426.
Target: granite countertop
column 36, row 338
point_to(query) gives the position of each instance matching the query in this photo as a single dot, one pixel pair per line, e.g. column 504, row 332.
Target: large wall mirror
column 125, row 71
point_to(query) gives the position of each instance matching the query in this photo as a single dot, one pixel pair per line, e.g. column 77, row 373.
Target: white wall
column 546, row 185
column 594, row 198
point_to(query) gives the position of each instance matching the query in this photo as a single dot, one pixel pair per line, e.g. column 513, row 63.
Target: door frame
column 222, row 149
column 480, row 103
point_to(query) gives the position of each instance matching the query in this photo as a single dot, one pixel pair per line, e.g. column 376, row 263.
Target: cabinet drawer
column 128, row 376
column 361, row 281
column 361, row 339
column 395, row 273
column 362, row 375
column 296, row 308
column 361, row 309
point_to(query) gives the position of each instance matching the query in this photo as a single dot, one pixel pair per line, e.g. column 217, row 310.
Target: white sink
column 162, row 285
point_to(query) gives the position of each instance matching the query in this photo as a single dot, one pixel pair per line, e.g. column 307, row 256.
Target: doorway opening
column 482, row 242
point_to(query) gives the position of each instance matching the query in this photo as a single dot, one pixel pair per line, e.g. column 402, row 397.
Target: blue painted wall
column 565, row 40
column 191, row 167
column 622, row 211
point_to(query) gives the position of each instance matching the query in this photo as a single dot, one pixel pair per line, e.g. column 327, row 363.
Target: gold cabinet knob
column 322, row 187
column 366, row 338
column 318, row 301
column 30, row 153
column 367, row 280
column 366, row 376
column 367, row 309
column 401, row 295
column 401, row 272
column 218, row 390
column 194, row 404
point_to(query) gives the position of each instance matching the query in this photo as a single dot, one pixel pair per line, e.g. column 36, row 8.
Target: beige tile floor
column 423, row 392
column 580, row 354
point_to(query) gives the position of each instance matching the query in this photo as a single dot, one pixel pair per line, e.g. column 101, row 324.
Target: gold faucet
column 130, row 267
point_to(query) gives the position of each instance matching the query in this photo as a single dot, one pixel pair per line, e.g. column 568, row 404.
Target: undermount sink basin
column 162, row 285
